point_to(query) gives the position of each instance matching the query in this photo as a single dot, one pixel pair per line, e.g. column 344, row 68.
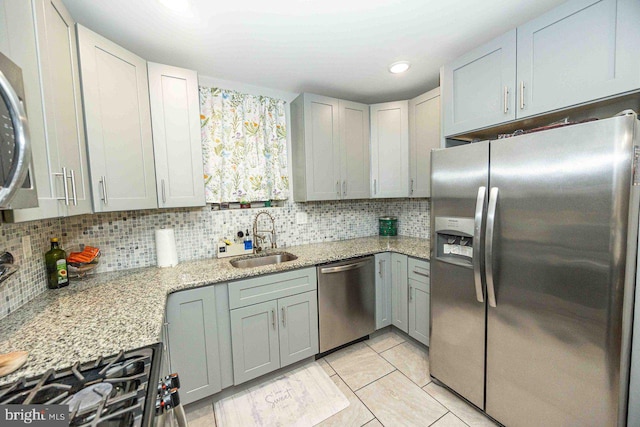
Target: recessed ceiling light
column 180, row 6
column 399, row 67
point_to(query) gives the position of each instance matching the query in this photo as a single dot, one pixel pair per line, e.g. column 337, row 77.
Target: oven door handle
column 22, row 151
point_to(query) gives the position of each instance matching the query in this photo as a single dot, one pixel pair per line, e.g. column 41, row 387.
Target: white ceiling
column 339, row 48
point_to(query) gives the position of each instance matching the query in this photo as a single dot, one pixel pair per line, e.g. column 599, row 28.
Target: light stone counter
column 125, row 309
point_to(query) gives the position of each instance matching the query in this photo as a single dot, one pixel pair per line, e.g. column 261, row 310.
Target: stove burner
column 119, row 390
column 89, row 397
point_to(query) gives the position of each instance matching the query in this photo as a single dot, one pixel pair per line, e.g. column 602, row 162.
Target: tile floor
column 386, row 380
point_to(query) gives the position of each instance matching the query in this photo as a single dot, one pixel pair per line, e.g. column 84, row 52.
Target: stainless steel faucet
column 257, row 247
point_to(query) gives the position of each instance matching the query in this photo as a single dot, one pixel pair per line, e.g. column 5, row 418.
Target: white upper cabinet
column 424, row 136
column 478, row 89
column 118, row 121
column 390, row 149
column 177, row 146
column 580, row 51
column 330, row 146
column 40, row 36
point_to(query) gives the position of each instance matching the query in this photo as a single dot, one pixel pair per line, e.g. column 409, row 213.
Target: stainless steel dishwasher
column 346, row 301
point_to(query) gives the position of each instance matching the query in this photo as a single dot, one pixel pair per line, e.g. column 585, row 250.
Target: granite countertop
column 125, row 309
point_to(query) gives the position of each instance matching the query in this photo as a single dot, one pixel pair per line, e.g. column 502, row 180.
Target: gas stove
column 120, row 390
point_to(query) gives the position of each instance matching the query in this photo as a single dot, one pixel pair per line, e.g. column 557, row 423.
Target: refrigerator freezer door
column 555, row 337
column 457, row 336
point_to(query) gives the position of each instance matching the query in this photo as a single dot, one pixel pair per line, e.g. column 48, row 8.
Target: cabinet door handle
column 273, row 318
column 410, row 293
column 380, row 268
column 164, row 195
column 338, row 188
column 506, row 99
column 73, row 187
column 103, row 183
column 283, row 317
column 344, row 188
column 66, row 187
column 411, row 186
column 63, row 174
column 375, row 186
column 522, row 95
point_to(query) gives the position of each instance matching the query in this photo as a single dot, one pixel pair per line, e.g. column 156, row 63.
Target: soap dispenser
column 248, row 244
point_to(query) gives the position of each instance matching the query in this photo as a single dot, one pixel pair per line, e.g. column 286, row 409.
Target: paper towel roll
column 166, row 251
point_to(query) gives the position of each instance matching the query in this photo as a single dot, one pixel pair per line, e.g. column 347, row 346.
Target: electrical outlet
column 301, row 218
column 26, row 247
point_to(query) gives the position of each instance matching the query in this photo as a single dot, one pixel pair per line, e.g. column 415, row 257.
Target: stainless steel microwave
column 17, row 187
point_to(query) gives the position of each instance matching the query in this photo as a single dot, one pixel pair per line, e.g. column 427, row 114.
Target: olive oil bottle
column 56, row 261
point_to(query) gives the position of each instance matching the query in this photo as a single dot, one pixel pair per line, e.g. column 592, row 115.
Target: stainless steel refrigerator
column 533, row 271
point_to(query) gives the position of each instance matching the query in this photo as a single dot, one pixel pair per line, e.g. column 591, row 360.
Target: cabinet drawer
column 265, row 288
column 419, row 270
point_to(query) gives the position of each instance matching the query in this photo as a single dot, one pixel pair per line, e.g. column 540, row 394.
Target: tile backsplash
column 127, row 239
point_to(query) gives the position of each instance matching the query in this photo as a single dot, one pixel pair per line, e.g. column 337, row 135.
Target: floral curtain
column 244, row 146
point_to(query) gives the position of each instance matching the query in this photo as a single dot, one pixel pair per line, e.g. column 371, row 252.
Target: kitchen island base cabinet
column 193, row 342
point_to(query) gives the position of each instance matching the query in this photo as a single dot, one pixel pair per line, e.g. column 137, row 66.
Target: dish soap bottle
column 56, row 262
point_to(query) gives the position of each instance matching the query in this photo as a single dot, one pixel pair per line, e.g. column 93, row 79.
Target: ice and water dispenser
column 454, row 239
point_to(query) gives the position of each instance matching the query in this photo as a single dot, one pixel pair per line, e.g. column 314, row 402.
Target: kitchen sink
column 260, row 260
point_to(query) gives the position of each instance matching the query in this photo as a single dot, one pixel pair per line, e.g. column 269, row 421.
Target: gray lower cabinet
column 399, row 292
column 298, row 327
column 383, row 289
column 274, row 322
column 419, row 299
column 194, row 350
column 254, row 335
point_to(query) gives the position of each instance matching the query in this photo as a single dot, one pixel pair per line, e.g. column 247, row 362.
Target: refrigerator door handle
column 477, row 234
column 491, row 219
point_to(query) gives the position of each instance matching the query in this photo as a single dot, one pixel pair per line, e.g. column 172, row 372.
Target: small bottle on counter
column 248, row 244
column 56, row 262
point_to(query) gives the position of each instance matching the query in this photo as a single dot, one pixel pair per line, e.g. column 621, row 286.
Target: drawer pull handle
column 420, row 274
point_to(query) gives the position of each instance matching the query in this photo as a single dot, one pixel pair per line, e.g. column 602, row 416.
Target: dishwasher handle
column 342, row 268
